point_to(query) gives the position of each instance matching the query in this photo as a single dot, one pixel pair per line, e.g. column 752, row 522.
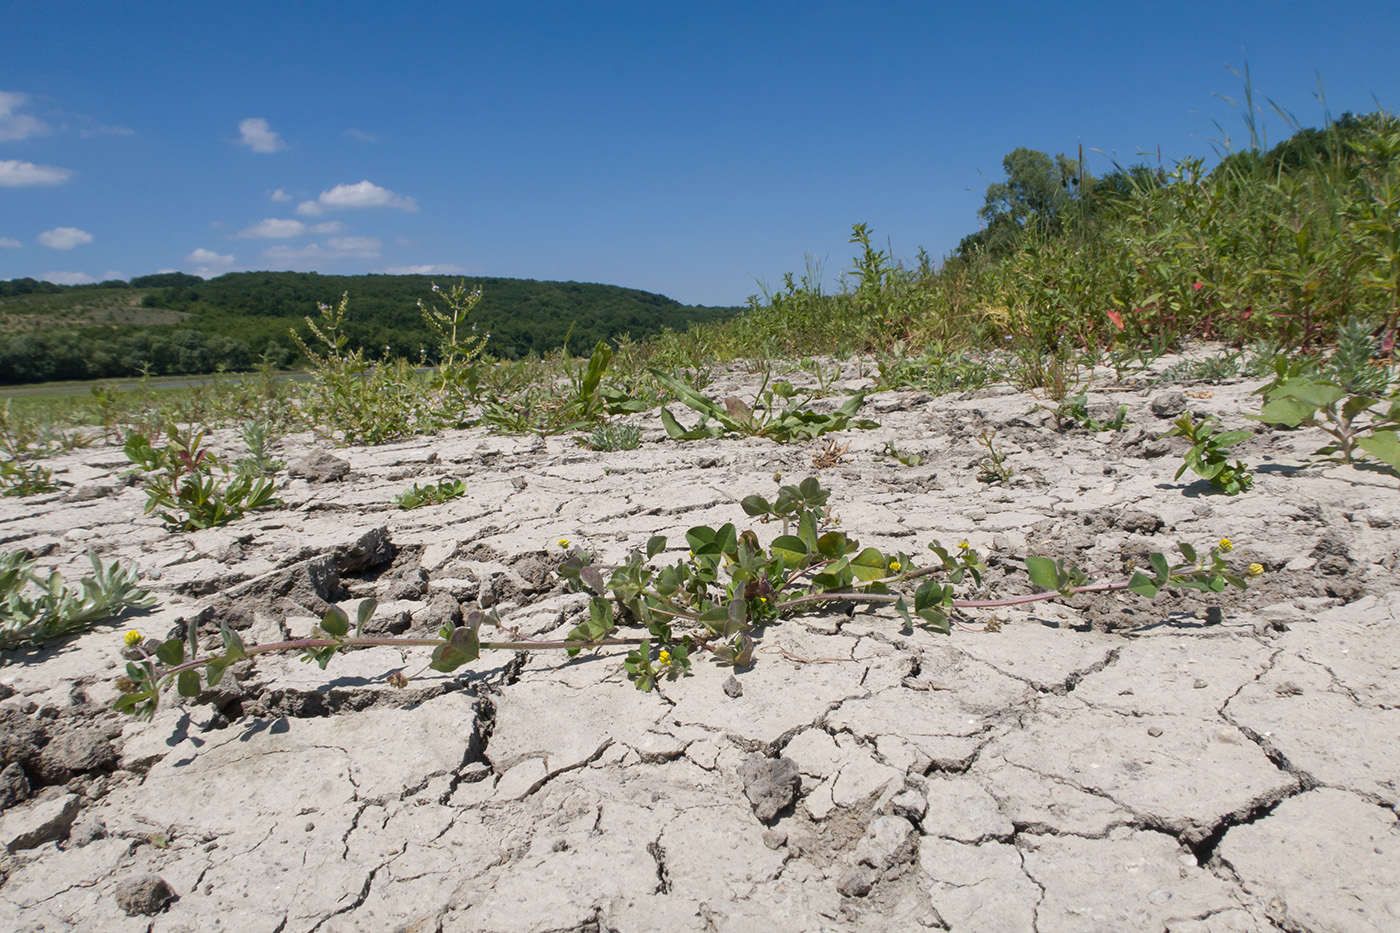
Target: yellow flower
column 963, row 545
column 1226, row 545
column 1254, row 570
column 564, row 542
column 133, row 638
column 894, row 566
column 664, row 657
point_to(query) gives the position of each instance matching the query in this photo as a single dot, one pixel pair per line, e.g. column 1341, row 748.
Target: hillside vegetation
column 175, row 323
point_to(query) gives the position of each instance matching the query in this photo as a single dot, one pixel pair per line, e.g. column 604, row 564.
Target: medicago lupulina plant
column 715, row 601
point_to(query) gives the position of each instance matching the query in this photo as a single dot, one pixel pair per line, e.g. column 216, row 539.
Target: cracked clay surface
column 1100, row 764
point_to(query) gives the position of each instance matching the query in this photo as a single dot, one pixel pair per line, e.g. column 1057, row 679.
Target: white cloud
column 17, row 174
column 209, row 263
column 100, row 130
column 363, row 194
column 64, row 237
column 209, row 257
column 344, row 247
column 280, row 196
column 68, row 278
column 259, row 136
column 362, row 136
column 272, row 228
column 15, row 126
column 10, row 243
column 428, row 269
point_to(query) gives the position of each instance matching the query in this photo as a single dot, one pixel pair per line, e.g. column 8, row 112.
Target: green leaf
column 655, row 545
column 214, row 671
column 1286, row 411
column 1188, row 553
column 1043, row 572
column 1142, row 585
column 462, row 647
column 755, row 506
column 1231, row 438
column 233, row 645
column 335, row 622
column 791, row 549
column 1159, row 564
column 187, row 683
column 869, row 564
column 1384, row 446
column 171, row 652
column 364, row 613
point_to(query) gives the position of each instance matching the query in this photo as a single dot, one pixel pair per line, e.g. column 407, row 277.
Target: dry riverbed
column 1188, row 764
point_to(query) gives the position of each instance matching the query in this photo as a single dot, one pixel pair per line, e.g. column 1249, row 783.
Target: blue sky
column 694, row 149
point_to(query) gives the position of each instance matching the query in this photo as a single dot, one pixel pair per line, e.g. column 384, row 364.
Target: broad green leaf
column 187, row 683
column 655, row 545
column 364, row 613
column 233, row 645
column 755, row 505
column 1142, row 585
column 335, row 622
column 214, row 671
column 791, row 549
column 1188, row 553
column 834, row 544
column 1316, row 394
column 1043, row 572
column 462, row 648
column 1286, row 411
column 1159, row 564
column 869, row 564
column 171, row 652
column 1384, row 446
column 1231, row 438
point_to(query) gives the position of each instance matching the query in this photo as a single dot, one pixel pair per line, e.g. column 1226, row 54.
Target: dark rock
column 770, row 784
column 14, row 785
column 320, row 467
column 21, row 737
column 372, row 549
column 143, row 894
column 76, row 751
column 1168, row 404
column 441, row 610
column 857, row 882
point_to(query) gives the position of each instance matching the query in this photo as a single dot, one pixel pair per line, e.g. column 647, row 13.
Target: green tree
column 1035, row 197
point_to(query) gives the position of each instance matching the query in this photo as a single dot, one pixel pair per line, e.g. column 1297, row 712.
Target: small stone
column 889, row 841
column 1154, row 731
column 1214, row 615
column 857, row 882
column 320, row 467
column 775, row 838
column 909, row 805
column 770, row 784
column 1168, row 404
column 143, row 894
column 732, row 688
column 1200, row 684
column 14, row 786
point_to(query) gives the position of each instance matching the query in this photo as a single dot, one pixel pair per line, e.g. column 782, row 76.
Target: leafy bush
column 34, row 609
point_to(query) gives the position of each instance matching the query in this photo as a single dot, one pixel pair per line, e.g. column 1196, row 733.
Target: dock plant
column 716, row 601
column 189, row 487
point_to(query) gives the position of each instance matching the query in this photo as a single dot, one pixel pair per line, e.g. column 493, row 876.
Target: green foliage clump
column 613, row 437
column 1207, row 457
column 761, row 419
column 35, row 609
column 182, row 486
column 417, row 495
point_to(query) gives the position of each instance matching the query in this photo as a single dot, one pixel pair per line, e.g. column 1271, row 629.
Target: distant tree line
column 238, row 320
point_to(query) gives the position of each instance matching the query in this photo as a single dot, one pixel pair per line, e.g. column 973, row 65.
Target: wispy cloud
column 10, row 243
column 68, row 278
column 17, row 174
column 99, row 130
column 274, row 228
column 15, row 126
column 362, row 194
column 446, row 268
column 342, row 247
column 209, row 263
column 362, row 136
column 64, row 237
column 259, row 136
column 280, row 196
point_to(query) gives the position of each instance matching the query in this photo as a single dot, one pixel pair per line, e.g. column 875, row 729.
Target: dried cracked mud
column 1193, row 763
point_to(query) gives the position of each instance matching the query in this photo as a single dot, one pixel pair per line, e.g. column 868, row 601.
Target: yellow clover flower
column 664, row 657
column 132, row 639
column 564, row 542
column 1226, row 545
column 1255, row 570
column 894, row 566
column 963, row 545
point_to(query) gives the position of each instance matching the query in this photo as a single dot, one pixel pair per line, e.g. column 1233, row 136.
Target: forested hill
column 177, row 323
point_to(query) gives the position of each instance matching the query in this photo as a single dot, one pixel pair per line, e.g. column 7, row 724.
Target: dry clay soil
column 1191, row 763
